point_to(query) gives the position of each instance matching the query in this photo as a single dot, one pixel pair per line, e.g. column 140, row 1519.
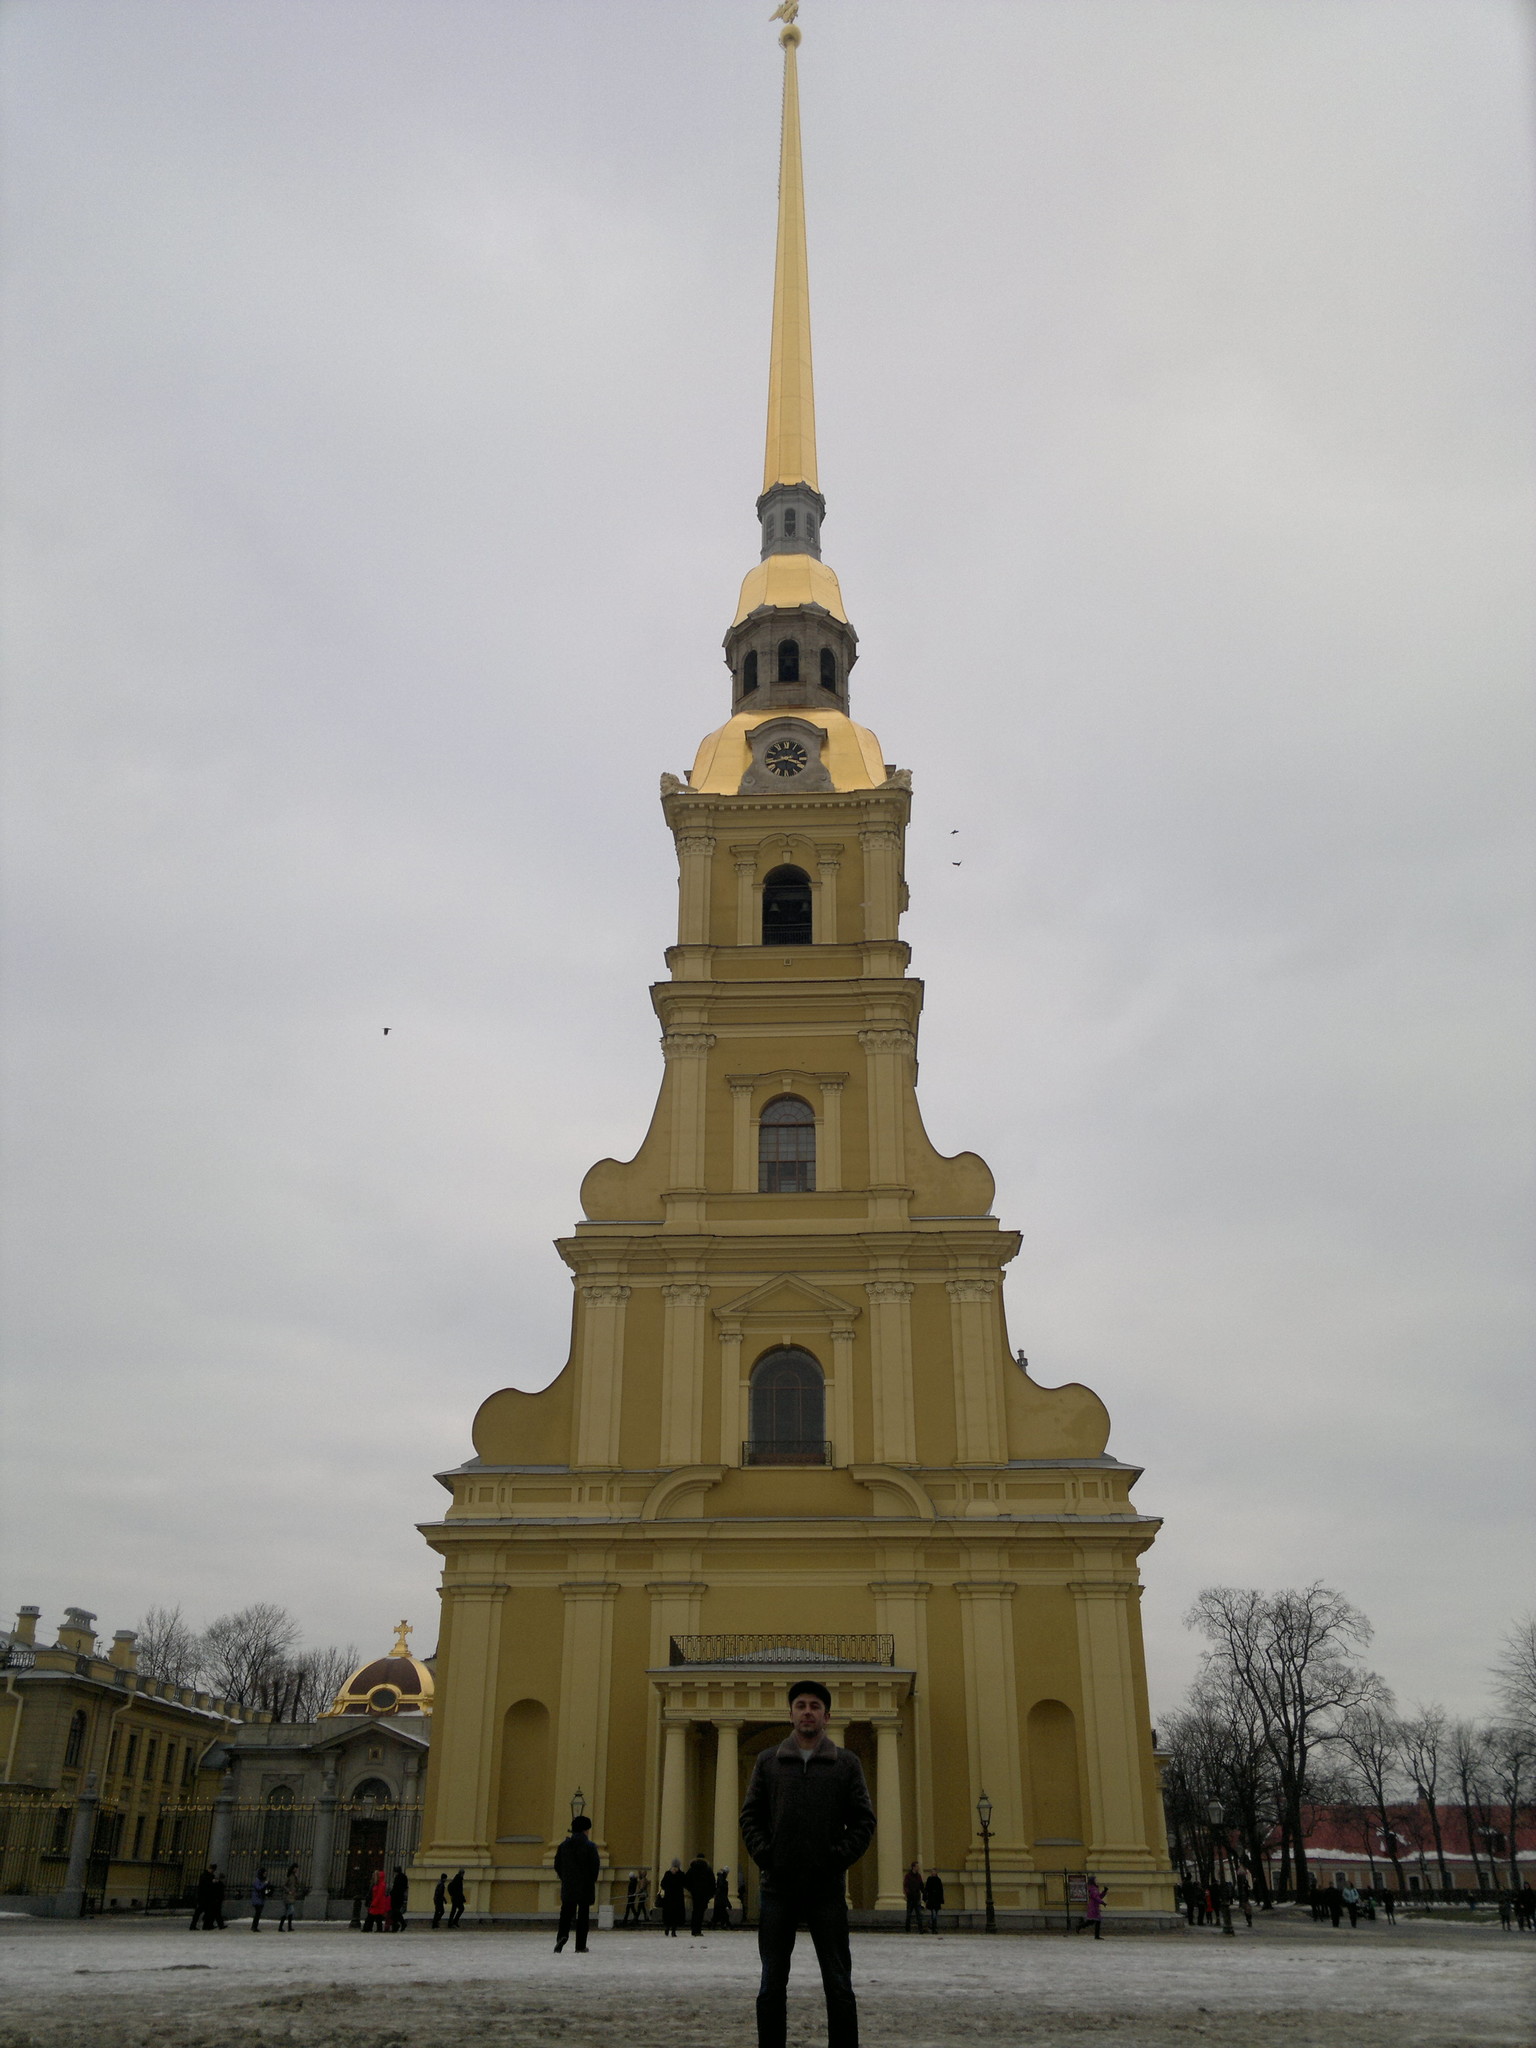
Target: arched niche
column 1055, row 1791
column 525, row 1807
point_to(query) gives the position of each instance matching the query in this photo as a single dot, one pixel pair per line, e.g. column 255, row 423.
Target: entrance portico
column 722, row 1700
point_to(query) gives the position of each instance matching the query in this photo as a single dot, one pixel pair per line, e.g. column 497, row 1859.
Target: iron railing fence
column 784, row 1649
column 788, row 1451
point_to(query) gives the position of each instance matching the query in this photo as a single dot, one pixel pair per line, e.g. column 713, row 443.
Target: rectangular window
column 786, row 1156
column 168, row 1775
column 138, row 1837
column 132, row 1757
column 149, row 1760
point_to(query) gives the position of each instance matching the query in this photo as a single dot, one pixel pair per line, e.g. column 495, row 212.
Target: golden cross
column 402, row 1630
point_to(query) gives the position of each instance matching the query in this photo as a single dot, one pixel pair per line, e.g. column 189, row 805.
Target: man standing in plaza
column 577, row 1864
column 806, row 1821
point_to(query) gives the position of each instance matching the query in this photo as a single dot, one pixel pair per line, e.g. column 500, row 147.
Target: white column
column 888, row 1051
column 748, row 931
column 841, row 1418
column 694, row 853
column 743, row 1164
column 732, row 1430
column 829, row 1138
column 882, row 882
column 890, row 1339
column 674, row 1793
column 978, row 1371
column 687, row 1055
column 889, row 1851
column 682, row 1372
column 727, row 1797
column 602, row 1349
column 827, row 867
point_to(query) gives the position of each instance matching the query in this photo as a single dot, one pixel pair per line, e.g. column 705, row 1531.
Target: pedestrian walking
column 673, row 1898
column 456, row 1898
column 1389, row 1907
column 1093, row 1908
column 912, row 1891
column 1351, row 1901
column 700, row 1880
column 643, row 1899
column 1506, row 1912
column 293, row 1889
column 933, row 1899
column 439, row 1900
column 1525, row 1906
column 215, row 1899
column 1335, row 1904
column 806, row 1821
column 377, row 1921
column 577, row 1864
column 720, row 1913
column 260, row 1892
column 201, row 1893
column 399, row 1900
column 631, row 1898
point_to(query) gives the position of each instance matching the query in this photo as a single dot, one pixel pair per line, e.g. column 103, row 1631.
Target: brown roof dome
column 398, row 1683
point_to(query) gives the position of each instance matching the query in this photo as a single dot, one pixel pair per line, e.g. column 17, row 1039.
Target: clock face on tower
column 786, row 757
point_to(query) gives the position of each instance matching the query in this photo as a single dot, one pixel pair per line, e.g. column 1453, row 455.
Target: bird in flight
column 386, row 1031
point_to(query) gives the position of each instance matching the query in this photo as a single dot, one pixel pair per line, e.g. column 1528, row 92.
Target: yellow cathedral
column 790, row 1436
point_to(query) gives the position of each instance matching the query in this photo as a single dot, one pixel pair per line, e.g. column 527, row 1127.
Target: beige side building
column 791, row 1433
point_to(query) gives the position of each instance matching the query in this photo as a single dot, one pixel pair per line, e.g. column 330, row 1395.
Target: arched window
column 789, row 523
column 828, row 669
column 789, row 661
column 786, row 1148
column 810, row 526
column 787, row 908
column 788, row 1409
column 373, row 1792
column 277, row 1822
column 749, row 674
column 74, row 1746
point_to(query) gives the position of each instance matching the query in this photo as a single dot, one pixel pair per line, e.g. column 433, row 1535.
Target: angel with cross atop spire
column 786, row 12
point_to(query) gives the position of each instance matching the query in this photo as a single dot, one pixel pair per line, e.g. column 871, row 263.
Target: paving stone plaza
column 1289, row 1985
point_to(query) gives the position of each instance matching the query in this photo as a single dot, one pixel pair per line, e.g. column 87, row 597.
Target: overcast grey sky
column 384, row 391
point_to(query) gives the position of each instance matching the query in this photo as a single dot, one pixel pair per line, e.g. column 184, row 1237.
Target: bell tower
column 790, row 1432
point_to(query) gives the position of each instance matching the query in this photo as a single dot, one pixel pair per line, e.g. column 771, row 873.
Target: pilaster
column 586, row 1677
column 1117, row 1826
column 890, row 1338
column 695, row 853
column 979, row 1433
column 466, row 1726
column 602, row 1354
column 992, row 1711
column 682, row 1372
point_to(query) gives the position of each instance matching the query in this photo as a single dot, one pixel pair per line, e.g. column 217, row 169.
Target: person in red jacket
column 378, row 1904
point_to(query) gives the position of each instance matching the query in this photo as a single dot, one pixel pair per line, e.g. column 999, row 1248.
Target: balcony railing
column 787, row 1451
column 784, row 1649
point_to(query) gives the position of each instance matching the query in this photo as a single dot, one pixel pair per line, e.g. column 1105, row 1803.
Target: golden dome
column 852, row 754
column 396, row 1684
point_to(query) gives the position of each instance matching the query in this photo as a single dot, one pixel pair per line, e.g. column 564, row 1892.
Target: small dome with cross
column 396, row 1684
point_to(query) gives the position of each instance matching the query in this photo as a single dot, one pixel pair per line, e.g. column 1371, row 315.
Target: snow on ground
column 138, row 1985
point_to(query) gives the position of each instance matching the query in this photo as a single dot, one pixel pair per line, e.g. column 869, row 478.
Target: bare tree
column 1512, row 1767
column 1469, row 1761
column 1514, row 1674
column 302, row 1687
column 1292, row 1653
column 244, row 1652
column 169, row 1647
column 1425, row 1738
column 1372, row 1738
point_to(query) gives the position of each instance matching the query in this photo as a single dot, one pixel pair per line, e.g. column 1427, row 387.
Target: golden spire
column 790, row 457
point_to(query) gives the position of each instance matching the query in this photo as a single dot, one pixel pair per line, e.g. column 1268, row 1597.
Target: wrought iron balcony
column 784, row 1649
column 787, row 1451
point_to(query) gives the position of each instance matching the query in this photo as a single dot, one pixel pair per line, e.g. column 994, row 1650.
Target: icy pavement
column 137, row 1985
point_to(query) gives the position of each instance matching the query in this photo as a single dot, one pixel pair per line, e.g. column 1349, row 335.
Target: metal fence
column 784, row 1649
column 152, row 1858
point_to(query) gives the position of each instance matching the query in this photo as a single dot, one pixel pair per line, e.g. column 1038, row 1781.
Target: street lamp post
column 578, row 1803
column 984, row 1815
column 1223, row 1887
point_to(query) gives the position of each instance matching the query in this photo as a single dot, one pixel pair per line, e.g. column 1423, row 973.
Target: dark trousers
column 914, row 1913
column 579, row 1911
column 699, row 1909
column 824, row 1913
